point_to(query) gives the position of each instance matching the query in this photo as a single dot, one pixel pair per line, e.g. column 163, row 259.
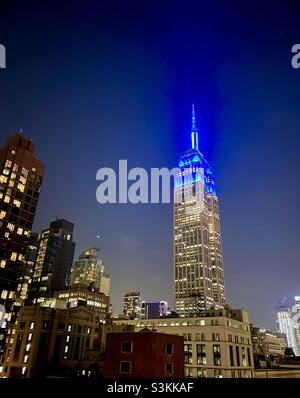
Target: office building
column 198, row 259
column 53, row 342
column 21, row 175
column 90, row 271
column 286, row 326
column 132, row 304
column 151, row 309
column 52, row 268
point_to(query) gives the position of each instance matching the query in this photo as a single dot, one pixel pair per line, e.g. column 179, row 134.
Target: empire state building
column 198, row 259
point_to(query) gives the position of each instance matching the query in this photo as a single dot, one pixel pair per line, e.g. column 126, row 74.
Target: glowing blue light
column 181, row 163
column 196, row 158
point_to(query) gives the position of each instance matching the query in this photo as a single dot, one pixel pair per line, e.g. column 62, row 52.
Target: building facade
column 52, row 342
column 151, row 309
column 79, row 295
column 216, row 345
column 21, row 175
column 89, row 270
column 52, row 268
column 127, row 355
column 268, row 343
column 286, row 326
column 132, row 304
column 198, row 260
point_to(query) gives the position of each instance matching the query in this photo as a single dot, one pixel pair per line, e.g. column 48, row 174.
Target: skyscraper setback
column 21, row 175
column 198, row 260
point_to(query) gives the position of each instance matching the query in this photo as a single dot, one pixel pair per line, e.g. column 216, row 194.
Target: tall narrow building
column 198, row 260
column 21, row 174
column 52, row 268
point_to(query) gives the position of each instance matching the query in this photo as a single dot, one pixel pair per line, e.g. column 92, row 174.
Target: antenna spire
column 194, row 131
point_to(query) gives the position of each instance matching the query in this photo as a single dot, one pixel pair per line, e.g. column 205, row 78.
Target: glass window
column 201, row 354
column 169, row 369
column 125, row 367
column 188, row 354
column 217, row 354
column 126, row 346
column 169, row 349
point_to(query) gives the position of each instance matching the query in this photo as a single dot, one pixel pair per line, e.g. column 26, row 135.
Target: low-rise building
column 217, row 344
column 146, row 354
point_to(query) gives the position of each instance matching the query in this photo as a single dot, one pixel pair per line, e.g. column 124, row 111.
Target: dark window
column 22, row 325
column 237, row 355
column 169, row 349
column 169, row 368
column 18, row 347
column 125, row 367
column 42, row 347
column 126, row 346
column 249, row 357
column 60, row 326
column 231, row 355
column 201, row 354
column 217, row 354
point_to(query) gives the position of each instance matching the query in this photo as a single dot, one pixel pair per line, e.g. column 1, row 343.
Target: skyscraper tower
column 198, row 260
column 21, row 174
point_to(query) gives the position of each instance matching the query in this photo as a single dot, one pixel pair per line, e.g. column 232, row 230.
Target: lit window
column 6, row 235
column 21, row 187
column 6, row 172
column 24, row 172
column 69, row 328
column 17, row 202
column 13, row 152
column 23, row 370
column 31, row 325
column 2, row 263
column 8, row 163
column 29, row 337
column 25, row 358
column 4, row 294
column 7, row 199
column 3, row 179
column 11, row 183
column 19, row 231
column 27, row 347
column 66, row 349
column 23, row 180
column 10, row 226
column 13, row 176
column 13, row 256
column 2, row 214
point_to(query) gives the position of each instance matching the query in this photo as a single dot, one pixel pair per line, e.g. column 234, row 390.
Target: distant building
column 286, row 326
column 52, row 268
column 89, row 270
column 151, row 309
column 79, row 295
column 268, row 343
column 53, row 342
column 146, row 354
column 21, row 175
column 132, row 305
column 217, row 344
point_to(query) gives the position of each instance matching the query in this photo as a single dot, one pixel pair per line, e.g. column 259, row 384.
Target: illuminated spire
column 194, row 131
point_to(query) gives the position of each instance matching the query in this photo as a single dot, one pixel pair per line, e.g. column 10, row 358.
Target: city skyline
column 137, row 107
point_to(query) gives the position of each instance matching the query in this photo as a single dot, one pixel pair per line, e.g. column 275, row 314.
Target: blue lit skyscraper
column 198, row 260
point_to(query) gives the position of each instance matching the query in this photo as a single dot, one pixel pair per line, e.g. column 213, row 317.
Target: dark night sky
column 92, row 82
